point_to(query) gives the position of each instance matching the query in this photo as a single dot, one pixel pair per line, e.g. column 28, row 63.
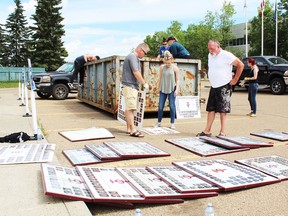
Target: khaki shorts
column 130, row 95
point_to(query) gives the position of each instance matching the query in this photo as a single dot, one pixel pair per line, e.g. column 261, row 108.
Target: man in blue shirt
column 163, row 48
column 177, row 49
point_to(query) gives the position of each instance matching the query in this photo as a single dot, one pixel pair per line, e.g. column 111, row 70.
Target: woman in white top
column 168, row 87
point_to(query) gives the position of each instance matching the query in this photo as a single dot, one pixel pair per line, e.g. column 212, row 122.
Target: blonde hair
column 167, row 56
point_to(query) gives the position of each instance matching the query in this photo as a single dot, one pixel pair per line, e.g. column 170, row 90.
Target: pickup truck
column 55, row 83
column 273, row 72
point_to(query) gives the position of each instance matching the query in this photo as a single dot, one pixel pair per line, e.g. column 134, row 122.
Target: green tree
column 48, row 48
column 17, row 38
column 282, row 29
column 224, row 23
column 195, row 38
column 270, row 31
column 3, row 46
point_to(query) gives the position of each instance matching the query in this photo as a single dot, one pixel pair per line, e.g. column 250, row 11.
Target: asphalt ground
column 72, row 114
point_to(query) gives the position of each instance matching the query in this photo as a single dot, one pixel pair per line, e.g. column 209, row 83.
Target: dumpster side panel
column 103, row 79
column 188, row 80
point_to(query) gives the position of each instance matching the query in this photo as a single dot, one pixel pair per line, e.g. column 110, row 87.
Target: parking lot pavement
column 22, row 190
column 72, row 114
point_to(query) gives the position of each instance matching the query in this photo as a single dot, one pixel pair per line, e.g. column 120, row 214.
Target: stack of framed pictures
column 112, row 151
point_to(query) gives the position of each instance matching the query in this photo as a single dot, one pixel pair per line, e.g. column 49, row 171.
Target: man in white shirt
column 220, row 64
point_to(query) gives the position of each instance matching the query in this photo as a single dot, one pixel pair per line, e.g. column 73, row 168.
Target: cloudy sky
column 114, row 27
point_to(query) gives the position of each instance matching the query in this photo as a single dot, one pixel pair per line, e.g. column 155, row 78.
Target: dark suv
column 55, row 83
column 273, row 72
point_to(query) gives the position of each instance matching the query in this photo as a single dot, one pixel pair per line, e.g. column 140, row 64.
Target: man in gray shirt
column 131, row 79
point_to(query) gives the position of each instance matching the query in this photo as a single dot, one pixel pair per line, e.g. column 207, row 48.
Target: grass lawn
column 10, row 84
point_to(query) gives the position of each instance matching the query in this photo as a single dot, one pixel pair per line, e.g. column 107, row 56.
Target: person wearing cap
column 131, row 79
column 79, row 63
column 177, row 49
column 163, row 48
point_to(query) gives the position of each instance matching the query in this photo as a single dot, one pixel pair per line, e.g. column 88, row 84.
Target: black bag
column 15, row 137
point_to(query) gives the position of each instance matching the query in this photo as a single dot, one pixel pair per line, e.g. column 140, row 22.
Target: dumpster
column 103, row 78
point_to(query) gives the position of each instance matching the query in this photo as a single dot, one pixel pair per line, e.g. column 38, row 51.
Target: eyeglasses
column 144, row 51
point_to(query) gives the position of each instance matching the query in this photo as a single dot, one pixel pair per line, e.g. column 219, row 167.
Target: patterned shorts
column 219, row 99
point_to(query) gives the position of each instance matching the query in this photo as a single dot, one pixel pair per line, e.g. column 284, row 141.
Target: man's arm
column 239, row 65
column 139, row 77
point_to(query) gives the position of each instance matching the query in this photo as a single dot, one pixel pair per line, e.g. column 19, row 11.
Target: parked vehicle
column 55, row 83
column 273, row 72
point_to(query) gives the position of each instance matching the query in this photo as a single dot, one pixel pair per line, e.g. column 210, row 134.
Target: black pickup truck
column 273, row 72
column 55, row 83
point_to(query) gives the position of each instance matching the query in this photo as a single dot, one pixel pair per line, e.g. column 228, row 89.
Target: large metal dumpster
column 103, row 79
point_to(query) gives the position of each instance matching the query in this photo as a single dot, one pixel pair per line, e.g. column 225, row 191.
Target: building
column 239, row 31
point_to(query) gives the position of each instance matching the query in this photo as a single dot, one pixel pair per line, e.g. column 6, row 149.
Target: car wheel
column 277, row 86
column 60, row 91
column 43, row 94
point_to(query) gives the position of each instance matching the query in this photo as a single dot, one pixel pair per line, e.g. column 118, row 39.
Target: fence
column 13, row 73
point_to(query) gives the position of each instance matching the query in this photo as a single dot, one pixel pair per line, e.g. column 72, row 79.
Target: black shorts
column 219, row 99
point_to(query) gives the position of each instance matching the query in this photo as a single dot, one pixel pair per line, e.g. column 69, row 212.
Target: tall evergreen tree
column 3, row 47
column 18, row 37
column 48, row 49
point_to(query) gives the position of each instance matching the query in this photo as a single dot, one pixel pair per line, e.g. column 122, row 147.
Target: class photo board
column 246, row 141
column 200, row 147
column 112, row 151
column 128, row 150
column 159, row 130
column 26, row 153
column 82, row 156
column 92, row 133
column 138, row 114
column 272, row 165
column 181, row 180
column 187, row 107
column 221, row 142
column 227, row 175
column 272, row 135
column 103, row 152
column 64, row 182
column 151, row 186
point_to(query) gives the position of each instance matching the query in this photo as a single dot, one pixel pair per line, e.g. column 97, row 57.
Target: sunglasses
column 144, row 51
column 164, row 44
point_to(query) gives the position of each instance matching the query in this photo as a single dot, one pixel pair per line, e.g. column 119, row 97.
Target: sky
column 115, row 27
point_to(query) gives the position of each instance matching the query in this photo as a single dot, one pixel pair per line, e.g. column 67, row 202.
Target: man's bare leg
column 210, row 120
column 223, row 119
column 130, row 120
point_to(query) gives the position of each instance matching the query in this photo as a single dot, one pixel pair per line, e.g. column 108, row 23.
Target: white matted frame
column 138, row 114
column 187, row 107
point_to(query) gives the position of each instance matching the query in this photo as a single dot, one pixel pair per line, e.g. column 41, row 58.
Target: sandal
column 204, row 134
column 137, row 134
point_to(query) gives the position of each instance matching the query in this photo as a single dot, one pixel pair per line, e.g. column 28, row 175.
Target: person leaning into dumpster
column 163, row 48
column 131, row 78
column 177, row 49
column 220, row 64
column 79, row 67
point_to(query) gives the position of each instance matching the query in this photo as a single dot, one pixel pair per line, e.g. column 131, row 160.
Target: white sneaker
column 158, row 124
column 172, row 126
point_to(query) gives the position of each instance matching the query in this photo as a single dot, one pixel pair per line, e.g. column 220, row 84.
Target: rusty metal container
column 103, row 79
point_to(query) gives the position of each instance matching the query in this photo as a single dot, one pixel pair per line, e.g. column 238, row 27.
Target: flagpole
column 262, row 32
column 276, row 33
column 246, row 30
